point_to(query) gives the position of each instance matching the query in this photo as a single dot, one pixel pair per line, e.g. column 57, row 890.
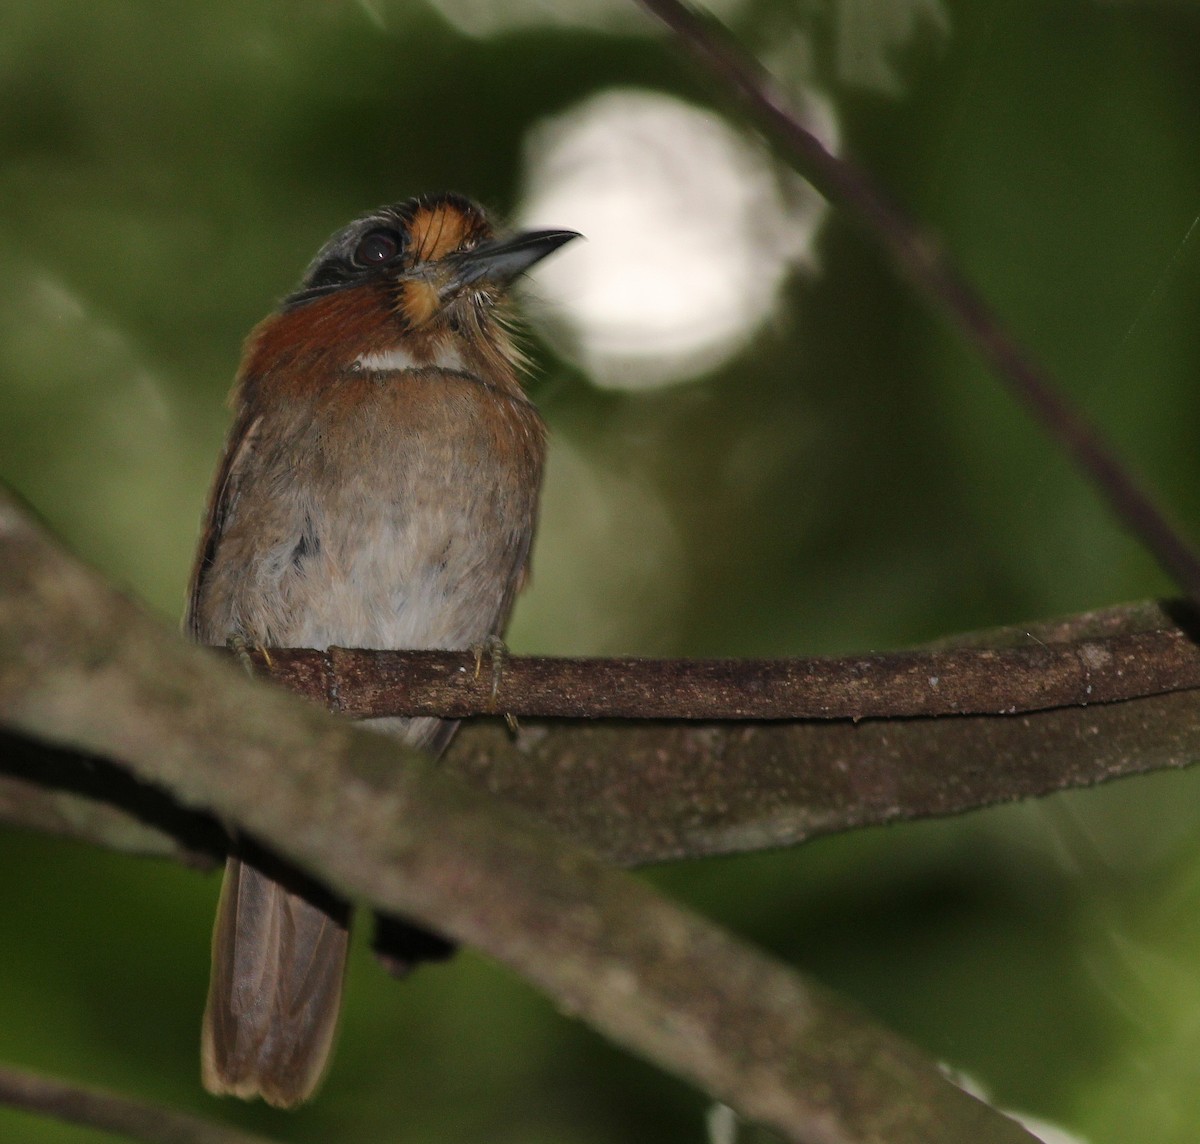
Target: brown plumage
column 379, row 489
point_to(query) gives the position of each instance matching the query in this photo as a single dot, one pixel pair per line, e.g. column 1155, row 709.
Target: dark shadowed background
column 761, row 444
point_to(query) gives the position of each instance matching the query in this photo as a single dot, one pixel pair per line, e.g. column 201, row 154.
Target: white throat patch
column 398, row 358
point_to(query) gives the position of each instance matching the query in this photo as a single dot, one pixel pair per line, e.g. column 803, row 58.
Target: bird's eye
column 377, row 248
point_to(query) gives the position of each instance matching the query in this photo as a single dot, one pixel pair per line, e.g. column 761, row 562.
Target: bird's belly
column 403, row 579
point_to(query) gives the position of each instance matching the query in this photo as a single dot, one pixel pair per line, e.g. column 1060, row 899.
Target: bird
column 378, row 489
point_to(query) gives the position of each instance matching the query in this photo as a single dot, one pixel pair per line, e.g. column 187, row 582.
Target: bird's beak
column 502, row 260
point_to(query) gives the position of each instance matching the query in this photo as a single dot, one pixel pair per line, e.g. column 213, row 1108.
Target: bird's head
column 413, row 285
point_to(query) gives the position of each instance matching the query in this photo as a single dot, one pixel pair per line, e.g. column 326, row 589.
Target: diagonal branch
column 920, row 256
column 111, row 1112
column 82, row 667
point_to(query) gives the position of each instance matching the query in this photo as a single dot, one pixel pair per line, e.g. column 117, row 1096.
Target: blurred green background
column 762, row 444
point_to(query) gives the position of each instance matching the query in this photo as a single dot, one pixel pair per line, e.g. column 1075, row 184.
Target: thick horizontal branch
column 922, row 258
column 82, row 667
column 653, row 792
column 112, row 1112
column 952, row 681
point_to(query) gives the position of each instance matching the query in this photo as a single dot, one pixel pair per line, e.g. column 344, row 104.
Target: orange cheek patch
column 418, row 302
column 438, row 231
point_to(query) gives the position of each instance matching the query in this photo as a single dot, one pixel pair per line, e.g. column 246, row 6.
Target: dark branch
column 57, row 792
column 111, row 1112
column 974, row 681
column 921, row 258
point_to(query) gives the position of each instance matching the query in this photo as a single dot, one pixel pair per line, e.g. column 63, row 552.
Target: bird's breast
column 385, row 509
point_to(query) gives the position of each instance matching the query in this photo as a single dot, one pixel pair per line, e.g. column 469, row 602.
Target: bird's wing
column 221, row 501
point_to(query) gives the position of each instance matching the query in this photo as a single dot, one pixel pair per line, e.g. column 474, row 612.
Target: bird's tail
column 278, row 960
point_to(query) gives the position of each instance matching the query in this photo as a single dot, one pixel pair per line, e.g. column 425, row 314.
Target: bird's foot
column 242, row 647
column 497, row 651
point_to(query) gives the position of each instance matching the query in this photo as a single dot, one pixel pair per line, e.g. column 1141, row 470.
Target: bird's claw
column 497, row 651
column 242, row 647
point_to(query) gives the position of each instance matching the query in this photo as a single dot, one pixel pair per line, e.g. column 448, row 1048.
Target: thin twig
column 111, row 1112
column 974, row 681
column 922, row 259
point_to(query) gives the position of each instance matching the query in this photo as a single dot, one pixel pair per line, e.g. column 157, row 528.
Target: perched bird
column 379, row 489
